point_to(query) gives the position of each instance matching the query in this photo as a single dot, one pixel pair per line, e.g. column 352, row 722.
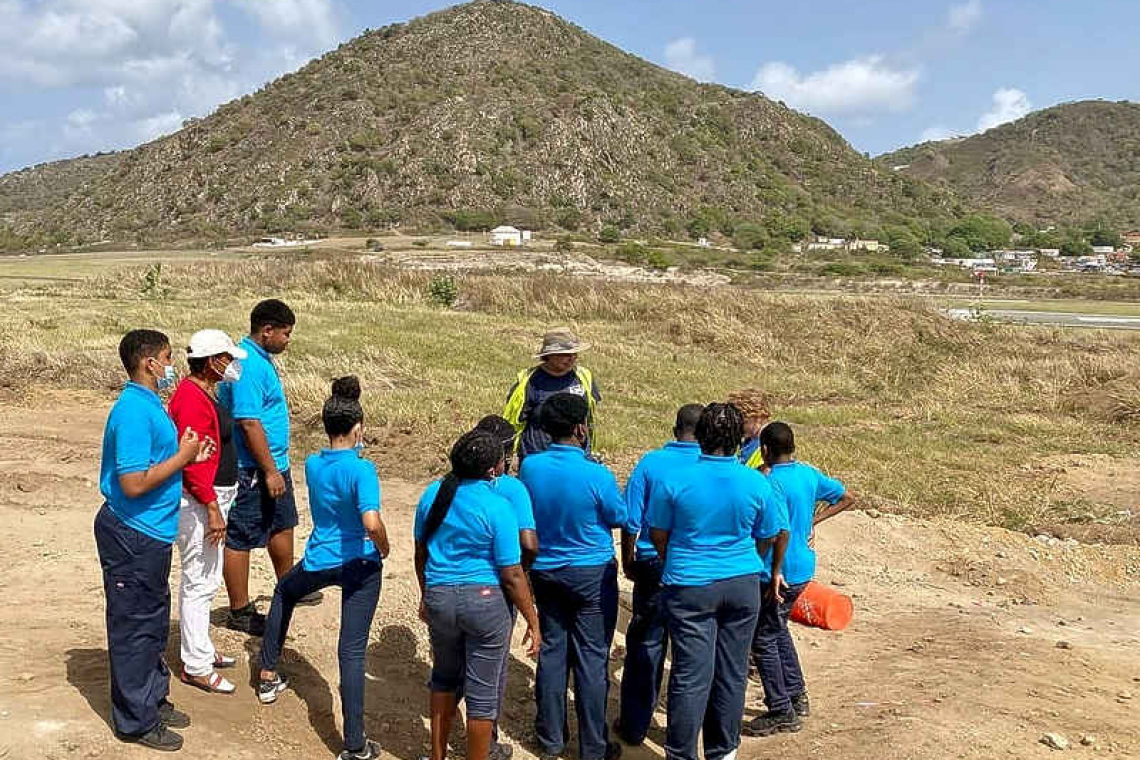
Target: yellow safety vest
column 512, row 412
column 756, row 461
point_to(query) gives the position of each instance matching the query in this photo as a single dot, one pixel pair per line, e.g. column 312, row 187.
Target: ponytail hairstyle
column 342, row 412
column 471, row 456
column 720, row 428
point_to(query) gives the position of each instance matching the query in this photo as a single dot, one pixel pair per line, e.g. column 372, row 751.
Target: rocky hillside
column 45, row 185
column 1066, row 164
column 488, row 112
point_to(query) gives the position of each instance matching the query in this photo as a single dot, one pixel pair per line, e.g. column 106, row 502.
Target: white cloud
column 861, row 86
column 1009, row 105
column 681, row 55
column 142, row 66
column 935, row 133
column 962, row 18
column 306, row 19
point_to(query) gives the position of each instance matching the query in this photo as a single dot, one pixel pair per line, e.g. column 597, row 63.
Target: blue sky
column 79, row 76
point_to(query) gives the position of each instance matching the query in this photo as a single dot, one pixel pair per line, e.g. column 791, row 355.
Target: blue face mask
column 168, row 379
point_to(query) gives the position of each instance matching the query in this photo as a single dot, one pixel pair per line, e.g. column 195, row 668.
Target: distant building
column 704, row 243
column 1131, row 238
column 1103, row 250
column 458, row 243
column 1050, row 252
column 864, row 245
column 510, row 237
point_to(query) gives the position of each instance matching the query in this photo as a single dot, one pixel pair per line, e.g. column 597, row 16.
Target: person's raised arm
column 142, row 481
column 846, row 501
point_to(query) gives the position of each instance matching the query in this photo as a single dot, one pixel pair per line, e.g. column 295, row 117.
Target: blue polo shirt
column 715, row 510
column 140, row 434
column 258, row 395
column 342, row 487
column 803, row 486
column 513, row 490
column 577, row 505
column 478, row 537
column 654, row 467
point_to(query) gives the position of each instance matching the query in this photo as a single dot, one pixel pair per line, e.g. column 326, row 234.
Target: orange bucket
column 822, row 607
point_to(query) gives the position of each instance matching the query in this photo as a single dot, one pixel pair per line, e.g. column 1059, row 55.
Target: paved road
column 1062, row 319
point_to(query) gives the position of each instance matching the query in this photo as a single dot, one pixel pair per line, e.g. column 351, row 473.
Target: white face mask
column 232, row 373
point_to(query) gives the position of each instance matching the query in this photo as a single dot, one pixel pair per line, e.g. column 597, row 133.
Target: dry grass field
column 921, row 415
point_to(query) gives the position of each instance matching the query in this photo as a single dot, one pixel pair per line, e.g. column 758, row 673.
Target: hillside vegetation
column 484, row 113
column 1068, row 164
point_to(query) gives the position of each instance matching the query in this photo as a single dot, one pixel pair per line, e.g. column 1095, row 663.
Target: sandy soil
column 955, row 651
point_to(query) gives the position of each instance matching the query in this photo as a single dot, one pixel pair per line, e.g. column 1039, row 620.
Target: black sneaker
column 311, row 600
column 500, row 751
column 371, row 751
column 172, row 718
column 801, row 705
column 160, row 738
column 247, row 620
column 773, row 723
column 267, row 691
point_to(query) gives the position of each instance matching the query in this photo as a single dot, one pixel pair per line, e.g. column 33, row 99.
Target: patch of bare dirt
column 967, row 642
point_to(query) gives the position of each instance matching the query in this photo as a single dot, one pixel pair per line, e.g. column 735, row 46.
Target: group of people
column 716, row 535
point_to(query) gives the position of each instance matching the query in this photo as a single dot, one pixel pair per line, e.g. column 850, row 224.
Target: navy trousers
column 577, row 610
column 711, row 628
column 359, row 580
column 136, row 583
column 646, row 640
column 774, row 652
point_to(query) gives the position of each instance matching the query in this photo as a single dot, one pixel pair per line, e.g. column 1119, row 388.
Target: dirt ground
column 967, row 642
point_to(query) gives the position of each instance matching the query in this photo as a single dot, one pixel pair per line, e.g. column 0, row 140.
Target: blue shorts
column 255, row 515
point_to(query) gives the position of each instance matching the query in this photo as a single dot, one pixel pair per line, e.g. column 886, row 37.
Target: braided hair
column 471, row 456
column 342, row 411
column 720, row 428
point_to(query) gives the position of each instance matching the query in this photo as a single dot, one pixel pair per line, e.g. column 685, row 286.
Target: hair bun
column 347, row 387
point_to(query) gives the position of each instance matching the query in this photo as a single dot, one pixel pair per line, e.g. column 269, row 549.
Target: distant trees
column 1076, row 246
column 981, row 232
column 609, row 234
column 750, row 237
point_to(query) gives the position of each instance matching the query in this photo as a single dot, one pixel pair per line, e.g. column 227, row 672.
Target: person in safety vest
column 752, row 403
column 558, row 372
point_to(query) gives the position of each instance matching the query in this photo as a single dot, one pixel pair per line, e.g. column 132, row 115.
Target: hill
column 47, row 184
column 1066, row 164
column 487, row 112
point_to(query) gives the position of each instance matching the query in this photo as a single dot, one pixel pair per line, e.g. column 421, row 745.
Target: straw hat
column 560, row 340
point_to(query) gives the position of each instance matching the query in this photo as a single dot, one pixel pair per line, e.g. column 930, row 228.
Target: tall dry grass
column 920, row 414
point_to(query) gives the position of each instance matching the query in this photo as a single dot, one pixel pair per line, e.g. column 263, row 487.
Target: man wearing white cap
column 558, row 372
column 208, row 490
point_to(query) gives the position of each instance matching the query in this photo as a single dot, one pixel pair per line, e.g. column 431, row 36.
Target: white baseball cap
column 207, row 343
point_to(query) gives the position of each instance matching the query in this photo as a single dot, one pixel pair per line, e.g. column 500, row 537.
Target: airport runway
column 1052, row 318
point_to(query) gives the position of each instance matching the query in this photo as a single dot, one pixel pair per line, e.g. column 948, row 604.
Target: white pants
column 201, row 577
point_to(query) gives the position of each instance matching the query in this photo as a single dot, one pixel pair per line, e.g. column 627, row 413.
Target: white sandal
column 214, row 683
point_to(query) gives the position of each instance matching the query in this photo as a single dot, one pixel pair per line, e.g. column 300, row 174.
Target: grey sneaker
column 370, row 751
column 172, row 718
column 267, row 691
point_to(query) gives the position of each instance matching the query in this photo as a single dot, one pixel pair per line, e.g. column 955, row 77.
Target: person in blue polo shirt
column 577, row 506
column 140, row 477
column 468, row 566
column 645, row 638
column 707, row 522
column 264, row 512
column 773, row 650
column 346, row 548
